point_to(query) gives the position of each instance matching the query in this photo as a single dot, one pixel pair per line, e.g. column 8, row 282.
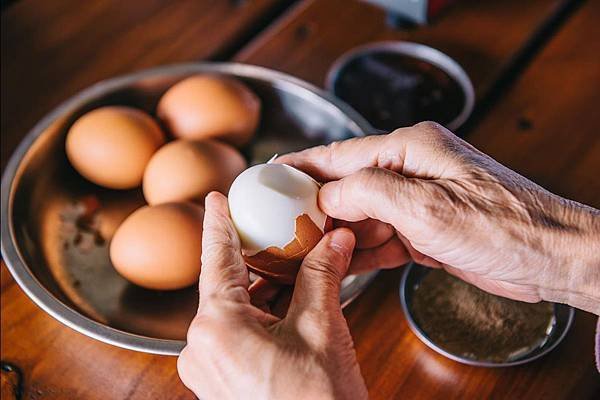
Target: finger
column 391, row 254
column 263, row 292
column 424, row 150
column 375, row 193
column 338, row 159
column 281, row 304
column 223, row 272
column 318, row 282
column 369, row 233
column 417, row 256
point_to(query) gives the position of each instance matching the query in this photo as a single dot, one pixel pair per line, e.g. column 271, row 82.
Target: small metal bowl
column 412, row 276
column 414, row 51
column 40, row 191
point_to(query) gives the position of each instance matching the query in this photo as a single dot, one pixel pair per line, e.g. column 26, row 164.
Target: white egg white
column 264, row 202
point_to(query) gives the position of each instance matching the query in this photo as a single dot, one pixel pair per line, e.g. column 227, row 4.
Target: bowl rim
column 11, row 253
column 418, row 51
column 416, row 329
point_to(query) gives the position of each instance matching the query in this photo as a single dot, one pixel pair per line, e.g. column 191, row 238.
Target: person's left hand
column 237, row 350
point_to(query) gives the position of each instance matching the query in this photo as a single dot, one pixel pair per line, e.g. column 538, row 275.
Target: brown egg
column 210, row 106
column 116, row 207
column 159, row 247
column 188, row 170
column 111, row 146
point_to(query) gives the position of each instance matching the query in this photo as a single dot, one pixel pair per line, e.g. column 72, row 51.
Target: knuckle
column 206, row 336
column 322, row 152
column 432, row 132
column 225, row 241
column 333, row 148
column 431, row 127
column 324, row 267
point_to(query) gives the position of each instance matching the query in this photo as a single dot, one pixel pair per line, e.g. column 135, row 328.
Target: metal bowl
column 412, row 276
column 419, row 52
column 41, row 196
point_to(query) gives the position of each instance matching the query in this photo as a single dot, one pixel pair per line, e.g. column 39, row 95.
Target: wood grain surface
column 547, row 126
column 483, row 36
column 542, row 127
column 59, row 363
column 52, row 49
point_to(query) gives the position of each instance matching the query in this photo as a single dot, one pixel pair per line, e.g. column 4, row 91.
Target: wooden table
column 536, row 71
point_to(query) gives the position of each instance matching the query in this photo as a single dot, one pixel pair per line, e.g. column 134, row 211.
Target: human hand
column 236, row 350
column 423, row 194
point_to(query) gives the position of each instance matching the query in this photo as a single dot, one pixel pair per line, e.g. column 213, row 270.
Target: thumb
column 318, row 283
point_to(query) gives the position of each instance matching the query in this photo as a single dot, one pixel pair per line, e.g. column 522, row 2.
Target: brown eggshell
column 111, row 146
column 115, row 209
column 282, row 265
column 210, row 106
column 159, row 247
column 186, row 170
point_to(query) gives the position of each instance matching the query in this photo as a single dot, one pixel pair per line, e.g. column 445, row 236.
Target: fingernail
column 342, row 240
column 211, row 197
column 329, row 196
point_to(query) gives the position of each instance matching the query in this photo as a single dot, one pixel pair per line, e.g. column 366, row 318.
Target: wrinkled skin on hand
column 418, row 194
column 237, row 350
column 447, row 205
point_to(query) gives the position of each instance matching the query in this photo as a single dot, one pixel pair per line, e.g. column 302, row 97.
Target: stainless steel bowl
column 40, row 190
column 417, row 51
column 412, row 276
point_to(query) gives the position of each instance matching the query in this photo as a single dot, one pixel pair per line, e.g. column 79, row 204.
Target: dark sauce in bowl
column 392, row 90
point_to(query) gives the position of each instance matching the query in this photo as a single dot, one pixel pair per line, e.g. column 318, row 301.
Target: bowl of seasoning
column 395, row 84
column 468, row 325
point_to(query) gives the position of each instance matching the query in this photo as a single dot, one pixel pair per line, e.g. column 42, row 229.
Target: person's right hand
column 422, row 193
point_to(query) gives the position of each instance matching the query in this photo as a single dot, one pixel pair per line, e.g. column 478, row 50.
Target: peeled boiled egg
column 188, row 170
column 274, row 209
column 159, row 247
column 210, row 106
column 111, row 146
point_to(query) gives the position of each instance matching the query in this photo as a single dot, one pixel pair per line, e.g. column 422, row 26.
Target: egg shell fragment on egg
column 282, row 265
column 265, row 201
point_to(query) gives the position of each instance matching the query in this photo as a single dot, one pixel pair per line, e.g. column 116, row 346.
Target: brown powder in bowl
column 471, row 323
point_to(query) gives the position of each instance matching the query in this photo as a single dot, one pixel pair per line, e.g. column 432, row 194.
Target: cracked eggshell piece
column 274, row 209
